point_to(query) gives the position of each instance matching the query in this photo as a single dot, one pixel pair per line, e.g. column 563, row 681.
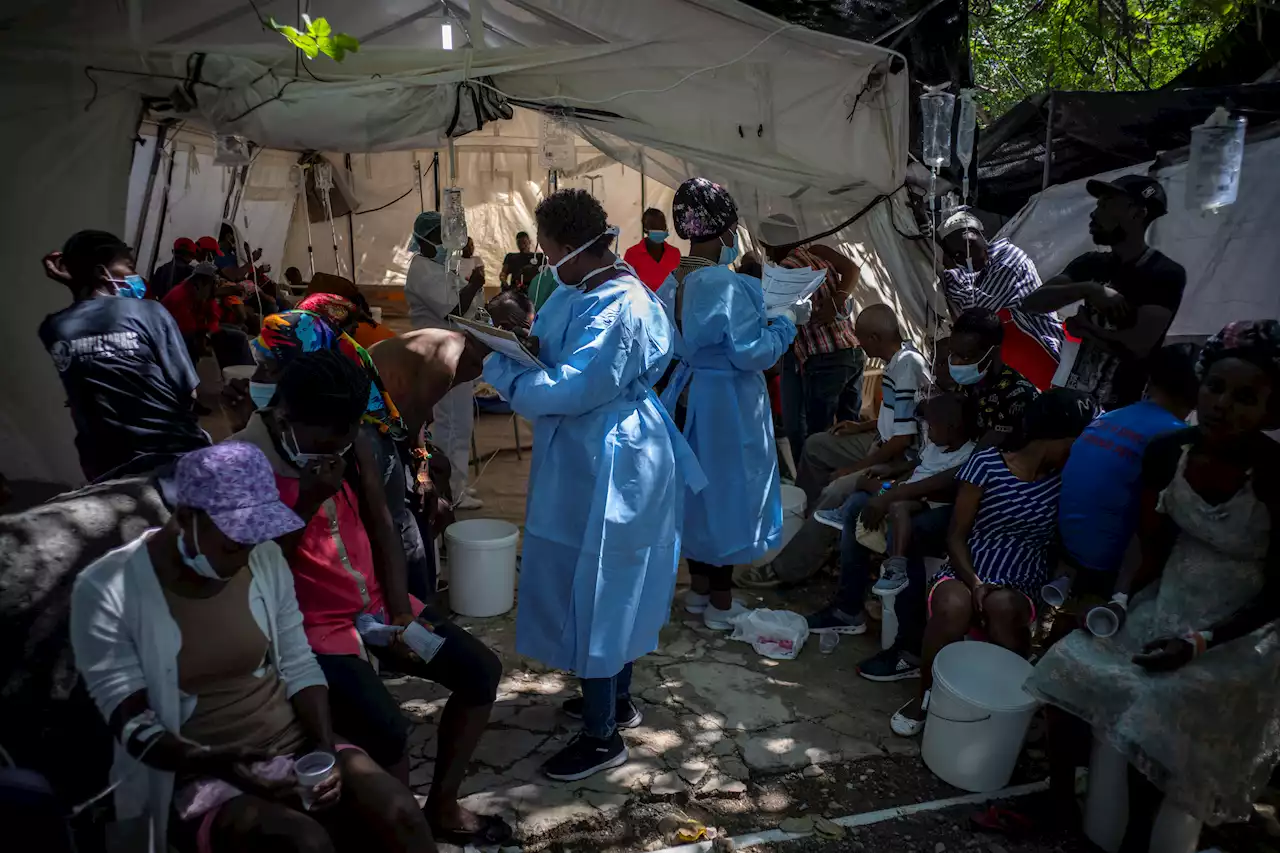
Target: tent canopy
column 790, row 120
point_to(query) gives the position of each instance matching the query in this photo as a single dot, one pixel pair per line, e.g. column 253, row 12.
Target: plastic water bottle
column 1213, row 170
column 936, row 110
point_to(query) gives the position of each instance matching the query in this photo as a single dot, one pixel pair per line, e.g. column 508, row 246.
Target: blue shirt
column 1098, row 510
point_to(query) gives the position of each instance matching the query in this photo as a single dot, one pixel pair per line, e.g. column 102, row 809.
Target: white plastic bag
column 777, row 634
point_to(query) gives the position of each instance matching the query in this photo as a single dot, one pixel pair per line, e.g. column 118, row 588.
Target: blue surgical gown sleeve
column 727, row 310
column 603, row 356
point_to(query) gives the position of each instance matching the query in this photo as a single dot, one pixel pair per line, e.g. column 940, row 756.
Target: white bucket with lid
column 793, row 501
column 482, row 566
column 978, row 715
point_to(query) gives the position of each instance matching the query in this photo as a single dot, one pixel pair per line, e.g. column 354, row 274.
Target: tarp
column 790, row 120
column 1231, row 257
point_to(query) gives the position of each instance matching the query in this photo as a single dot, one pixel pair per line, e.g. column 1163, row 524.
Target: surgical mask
column 729, row 253
column 198, row 563
column 289, row 442
column 658, row 236
column 261, row 393
column 130, row 287
column 612, row 231
column 968, row 374
column 440, row 255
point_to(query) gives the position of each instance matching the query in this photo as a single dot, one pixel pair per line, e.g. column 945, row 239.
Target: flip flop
column 493, row 832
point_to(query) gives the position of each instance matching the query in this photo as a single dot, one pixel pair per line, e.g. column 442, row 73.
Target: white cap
column 779, row 230
column 961, row 220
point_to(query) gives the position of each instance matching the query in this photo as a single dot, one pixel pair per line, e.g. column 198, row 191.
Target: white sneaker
column 722, row 620
column 469, row 502
column 904, row 726
column 695, row 603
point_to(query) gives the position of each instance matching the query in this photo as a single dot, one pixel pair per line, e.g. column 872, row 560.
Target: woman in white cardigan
column 191, row 644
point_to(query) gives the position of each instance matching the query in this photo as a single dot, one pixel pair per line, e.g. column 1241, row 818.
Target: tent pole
column 643, row 204
column 1048, row 147
column 164, row 211
column 422, row 199
column 161, row 133
column 435, row 176
column 351, row 230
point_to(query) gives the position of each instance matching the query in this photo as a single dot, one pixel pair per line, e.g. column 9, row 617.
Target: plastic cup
column 1055, row 594
column 310, row 770
column 1102, row 622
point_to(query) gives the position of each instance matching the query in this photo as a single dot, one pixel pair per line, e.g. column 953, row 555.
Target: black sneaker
column 833, row 620
column 586, row 756
column 888, row 665
column 626, row 714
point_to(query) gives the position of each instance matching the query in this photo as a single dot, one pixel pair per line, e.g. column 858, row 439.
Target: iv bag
column 964, row 132
column 936, row 109
column 453, row 219
column 231, row 150
column 1213, row 170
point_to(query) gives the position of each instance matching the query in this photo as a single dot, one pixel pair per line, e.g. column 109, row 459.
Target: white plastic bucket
column 978, row 715
column 793, row 501
column 238, row 371
column 482, row 566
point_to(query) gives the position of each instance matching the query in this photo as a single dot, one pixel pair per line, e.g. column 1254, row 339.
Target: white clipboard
column 498, row 340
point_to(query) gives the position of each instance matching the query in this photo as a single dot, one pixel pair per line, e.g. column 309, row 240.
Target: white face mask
column 289, row 442
column 611, row 231
column 196, row 562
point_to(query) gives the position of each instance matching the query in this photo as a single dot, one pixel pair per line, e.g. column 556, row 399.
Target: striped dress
column 1015, row 527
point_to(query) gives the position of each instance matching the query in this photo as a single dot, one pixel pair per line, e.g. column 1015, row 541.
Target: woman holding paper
column 718, row 393
column 602, row 523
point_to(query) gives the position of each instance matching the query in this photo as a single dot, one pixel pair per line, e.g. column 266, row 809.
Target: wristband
column 1121, row 599
column 1199, row 641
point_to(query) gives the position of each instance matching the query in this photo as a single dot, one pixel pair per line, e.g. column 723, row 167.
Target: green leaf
column 319, row 38
column 320, row 28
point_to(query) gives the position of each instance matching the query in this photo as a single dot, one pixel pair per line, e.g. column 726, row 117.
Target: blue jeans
column 928, row 539
column 600, row 697
column 829, row 387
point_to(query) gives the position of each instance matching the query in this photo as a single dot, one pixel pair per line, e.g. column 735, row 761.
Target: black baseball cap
column 1142, row 190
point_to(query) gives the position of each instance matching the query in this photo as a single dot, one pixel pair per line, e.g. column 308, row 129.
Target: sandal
column 493, row 832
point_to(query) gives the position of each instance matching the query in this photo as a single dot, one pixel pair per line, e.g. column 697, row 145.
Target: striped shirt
column 814, row 338
column 1005, row 281
column 1015, row 526
column 904, row 377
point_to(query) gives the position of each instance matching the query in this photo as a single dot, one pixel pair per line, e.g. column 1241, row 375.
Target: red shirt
column 652, row 273
column 192, row 316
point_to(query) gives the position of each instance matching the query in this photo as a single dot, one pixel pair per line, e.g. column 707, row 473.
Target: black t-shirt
column 999, row 403
column 515, row 262
column 167, row 277
column 128, row 380
column 1154, row 279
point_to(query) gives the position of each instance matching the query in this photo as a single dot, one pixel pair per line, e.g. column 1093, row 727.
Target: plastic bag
column 777, row 634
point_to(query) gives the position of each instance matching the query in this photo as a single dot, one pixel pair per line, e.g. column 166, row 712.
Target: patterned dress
column 1014, row 529
column 1208, row 733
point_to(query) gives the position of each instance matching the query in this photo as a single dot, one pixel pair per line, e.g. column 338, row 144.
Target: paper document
column 498, row 340
column 785, row 287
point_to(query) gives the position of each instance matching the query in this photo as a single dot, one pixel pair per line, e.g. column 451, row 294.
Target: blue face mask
column 130, row 287
column 658, row 236
column 196, row 562
column 968, row 374
column 261, row 393
column 729, row 253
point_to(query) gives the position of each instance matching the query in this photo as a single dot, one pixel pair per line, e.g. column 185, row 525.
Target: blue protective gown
column 724, row 342
column 607, row 480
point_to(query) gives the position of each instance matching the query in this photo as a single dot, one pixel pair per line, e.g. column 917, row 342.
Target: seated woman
column 217, row 723
column 347, row 563
column 1002, row 527
column 1188, row 689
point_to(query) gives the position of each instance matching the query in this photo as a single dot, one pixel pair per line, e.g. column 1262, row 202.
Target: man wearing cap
column 433, row 293
column 1130, row 293
column 822, row 372
column 997, row 276
column 175, row 271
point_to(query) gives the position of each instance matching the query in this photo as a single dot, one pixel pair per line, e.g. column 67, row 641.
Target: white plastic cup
column 1055, row 594
column 1102, row 622
column 311, row 770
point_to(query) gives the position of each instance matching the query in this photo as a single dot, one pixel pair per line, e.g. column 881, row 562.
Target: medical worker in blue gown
column 608, row 478
column 724, row 341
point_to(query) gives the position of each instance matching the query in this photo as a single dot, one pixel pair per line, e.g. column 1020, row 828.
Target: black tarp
column 1097, row 131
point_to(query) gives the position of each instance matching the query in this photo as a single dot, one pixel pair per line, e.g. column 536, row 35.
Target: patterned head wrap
column 703, row 210
column 422, row 228
column 291, row 333
column 1254, row 341
column 337, row 309
column 961, row 220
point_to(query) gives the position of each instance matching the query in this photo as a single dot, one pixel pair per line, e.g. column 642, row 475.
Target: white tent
column 1231, row 257
column 790, row 120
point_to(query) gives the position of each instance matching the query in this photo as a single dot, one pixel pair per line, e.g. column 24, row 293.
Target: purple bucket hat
column 234, row 484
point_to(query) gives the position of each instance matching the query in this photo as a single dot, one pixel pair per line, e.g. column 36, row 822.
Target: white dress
column 1207, row 734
